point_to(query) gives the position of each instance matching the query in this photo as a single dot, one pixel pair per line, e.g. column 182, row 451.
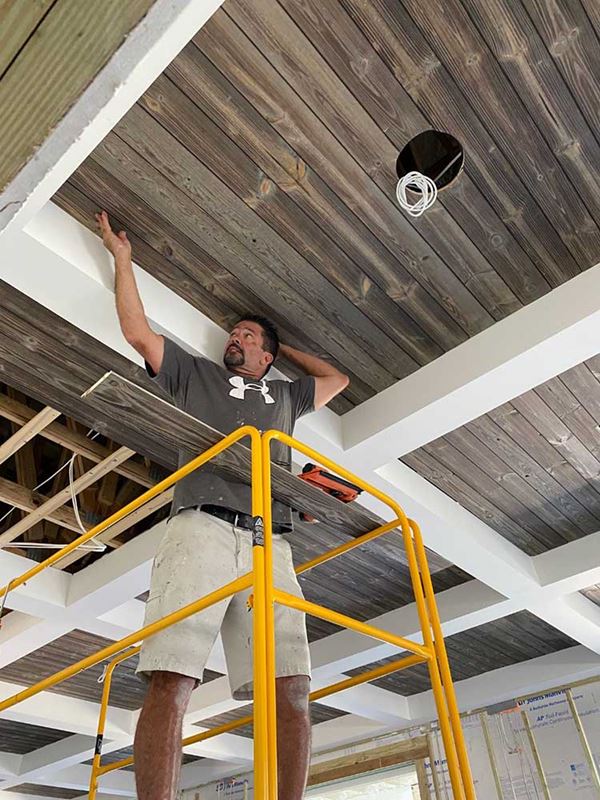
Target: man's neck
column 243, row 373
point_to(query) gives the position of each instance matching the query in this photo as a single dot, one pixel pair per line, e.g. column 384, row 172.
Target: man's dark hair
column 270, row 334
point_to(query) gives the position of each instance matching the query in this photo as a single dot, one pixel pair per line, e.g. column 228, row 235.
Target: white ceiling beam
column 462, row 538
column 39, row 764
column 10, row 764
column 225, row 747
column 461, row 608
column 52, row 710
column 571, row 567
column 61, row 754
column 573, row 614
column 499, row 685
column 344, row 730
column 118, row 622
column 370, row 702
column 80, row 599
column 119, row 782
column 45, row 594
column 142, row 57
column 21, row 634
column 527, row 348
column 493, row 560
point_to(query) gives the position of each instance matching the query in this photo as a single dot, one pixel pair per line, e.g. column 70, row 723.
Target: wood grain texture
column 127, row 689
column 203, row 140
column 17, row 737
column 268, row 87
column 337, row 108
column 318, row 713
column 232, row 114
column 53, row 69
column 529, row 468
column 363, row 72
column 404, row 48
column 459, row 46
column 497, row 644
column 570, row 33
column 525, row 60
column 45, row 791
column 248, row 265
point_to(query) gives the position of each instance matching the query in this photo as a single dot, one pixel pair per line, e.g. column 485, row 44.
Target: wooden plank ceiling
column 318, row 713
column 127, row 752
column 258, row 171
column 518, row 637
column 33, row 789
column 17, row 737
column 531, row 468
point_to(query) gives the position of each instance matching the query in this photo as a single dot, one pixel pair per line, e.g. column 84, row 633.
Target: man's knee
column 293, row 695
column 170, row 687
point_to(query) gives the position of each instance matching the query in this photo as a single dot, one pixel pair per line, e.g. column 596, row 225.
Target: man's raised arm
column 329, row 381
column 130, row 310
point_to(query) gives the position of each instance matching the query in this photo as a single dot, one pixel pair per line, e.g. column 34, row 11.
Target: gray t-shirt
column 226, row 401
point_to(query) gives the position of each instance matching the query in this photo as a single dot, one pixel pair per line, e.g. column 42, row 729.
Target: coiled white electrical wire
column 418, row 184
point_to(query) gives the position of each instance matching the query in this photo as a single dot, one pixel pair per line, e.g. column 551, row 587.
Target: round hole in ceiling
column 435, row 154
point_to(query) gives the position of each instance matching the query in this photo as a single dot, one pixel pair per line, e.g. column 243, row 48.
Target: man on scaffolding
column 208, row 542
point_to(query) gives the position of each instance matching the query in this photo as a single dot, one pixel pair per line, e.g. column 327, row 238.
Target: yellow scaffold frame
column 432, row 651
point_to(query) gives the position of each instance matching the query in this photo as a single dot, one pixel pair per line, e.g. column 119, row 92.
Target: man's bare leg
column 157, row 743
column 293, row 736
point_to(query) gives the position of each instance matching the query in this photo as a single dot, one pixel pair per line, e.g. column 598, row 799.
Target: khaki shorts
column 198, row 554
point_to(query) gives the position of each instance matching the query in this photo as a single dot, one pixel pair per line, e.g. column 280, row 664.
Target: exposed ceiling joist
column 72, row 440
column 59, row 499
column 27, row 432
column 16, row 495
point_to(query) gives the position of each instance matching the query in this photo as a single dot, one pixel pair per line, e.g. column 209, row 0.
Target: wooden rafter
column 29, row 429
column 29, row 501
column 96, row 472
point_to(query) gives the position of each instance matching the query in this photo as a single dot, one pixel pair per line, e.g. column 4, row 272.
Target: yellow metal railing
column 432, row 651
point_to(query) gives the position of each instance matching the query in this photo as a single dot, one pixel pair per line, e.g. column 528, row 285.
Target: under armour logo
column 240, row 387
